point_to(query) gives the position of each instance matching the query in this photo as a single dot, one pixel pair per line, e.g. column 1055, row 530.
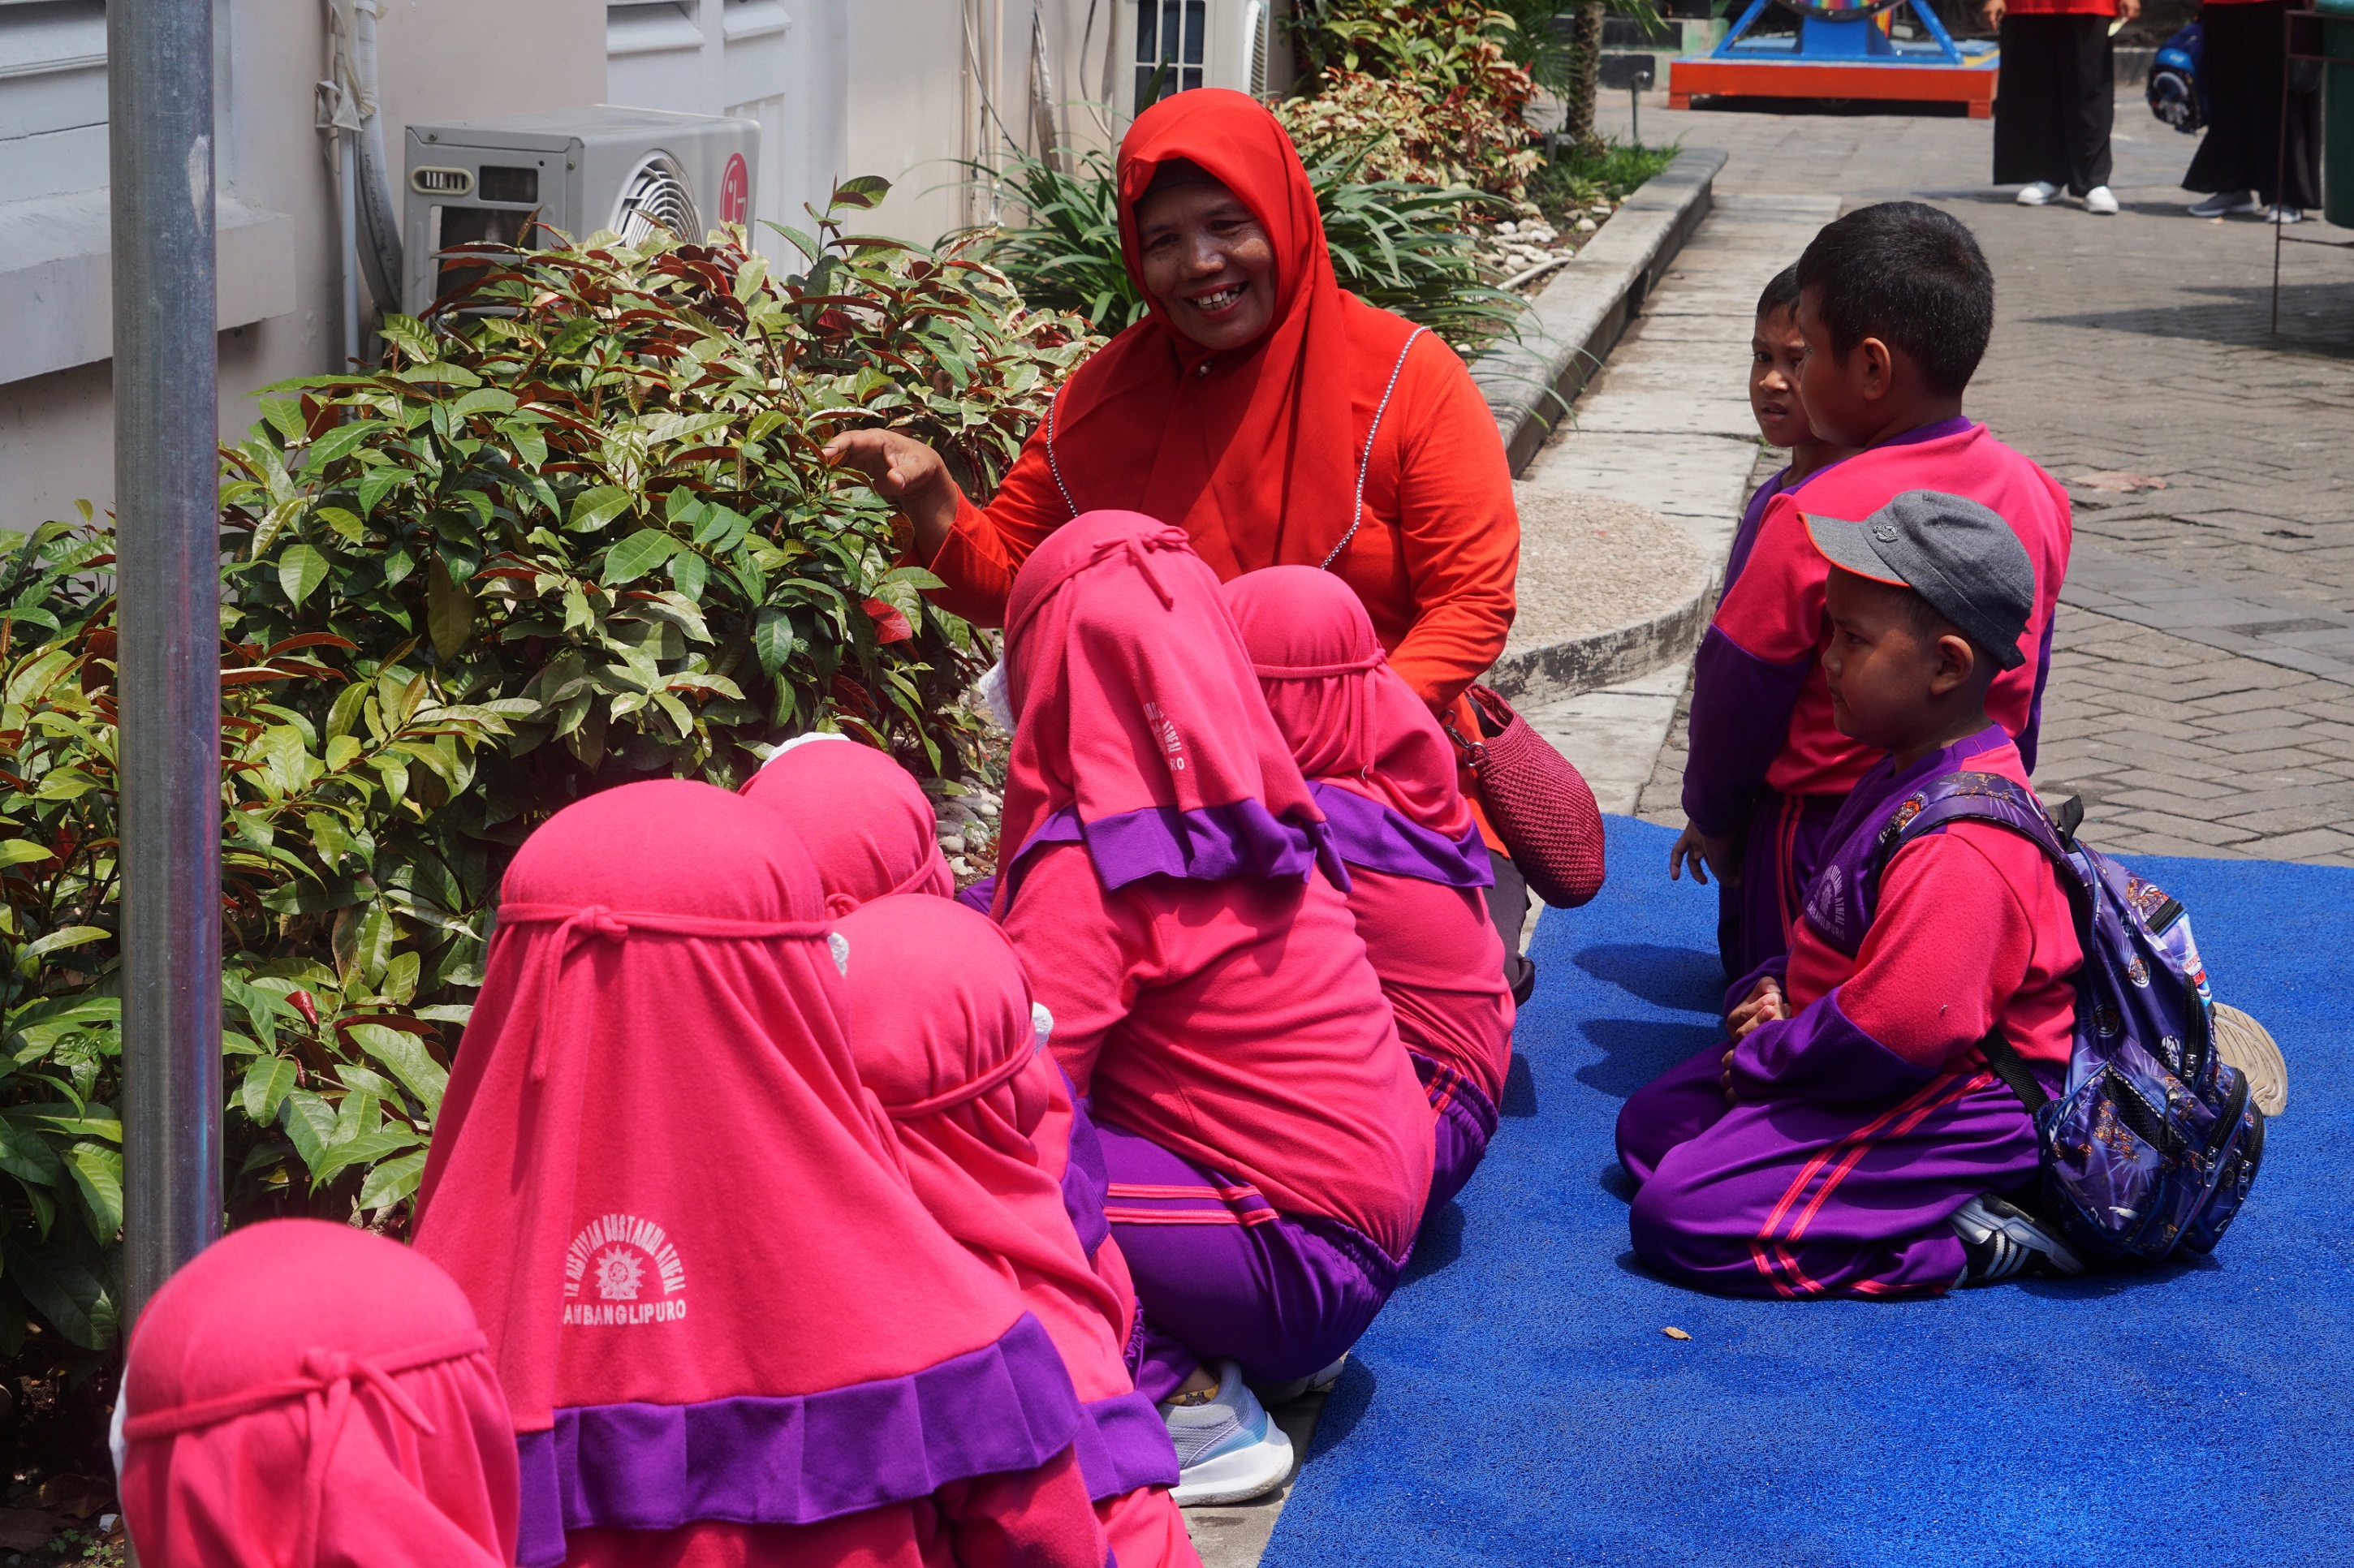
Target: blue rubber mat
column 1517, row 1404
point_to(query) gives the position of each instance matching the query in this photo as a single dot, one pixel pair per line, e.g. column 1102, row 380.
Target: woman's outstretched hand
column 907, row 473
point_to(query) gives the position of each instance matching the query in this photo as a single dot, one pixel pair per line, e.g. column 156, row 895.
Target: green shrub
column 1401, row 246
column 575, row 531
column 1425, row 88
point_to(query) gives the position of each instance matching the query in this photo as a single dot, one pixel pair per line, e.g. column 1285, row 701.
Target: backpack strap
column 2012, row 1069
column 1990, row 797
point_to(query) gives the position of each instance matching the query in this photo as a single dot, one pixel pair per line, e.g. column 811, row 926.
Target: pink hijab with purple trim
column 683, row 1224
column 1142, row 731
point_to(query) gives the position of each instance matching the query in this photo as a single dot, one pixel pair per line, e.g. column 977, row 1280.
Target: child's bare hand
column 1703, row 854
column 1993, row 10
column 1763, row 1004
column 1724, row 1077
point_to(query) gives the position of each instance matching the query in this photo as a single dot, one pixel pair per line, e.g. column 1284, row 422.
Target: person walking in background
column 2240, row 160
column 2055, row 100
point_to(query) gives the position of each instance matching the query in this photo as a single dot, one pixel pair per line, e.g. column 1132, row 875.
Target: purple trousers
column 1781, row 850
column 1221, row 1275
column 1792, row 1198
column 1466, row 1120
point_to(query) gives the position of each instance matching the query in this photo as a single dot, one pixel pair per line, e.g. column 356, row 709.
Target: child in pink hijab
column 1171, row 888
column 864, row 820
column 309, row 1396
column 728, row 1329
column 871, row 830
column 946, row 1037
column 1384, row 774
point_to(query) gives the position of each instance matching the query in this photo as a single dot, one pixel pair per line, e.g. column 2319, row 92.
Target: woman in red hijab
column 728, row 1330
column 946, row 1037
column 1270, row 414
column 309, row 1396
column 1165, row 881
column 1383, row 774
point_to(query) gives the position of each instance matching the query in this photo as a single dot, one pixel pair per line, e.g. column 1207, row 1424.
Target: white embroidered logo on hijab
column 623, row 1257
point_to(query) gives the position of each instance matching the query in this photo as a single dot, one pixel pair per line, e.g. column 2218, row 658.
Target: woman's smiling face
column 1207, row 263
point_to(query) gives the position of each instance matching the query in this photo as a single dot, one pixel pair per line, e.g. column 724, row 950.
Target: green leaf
column 63, row 1291
column 689, row 572
column 861, row 191
column 636, row 556
column 772, row 639
column 339, row 442
column 301, row 569
column 310, row 1123
column 97, row 1171
column 404, row 1056
column 595, row 507
column 344, row 521
column 267, row 1083
column 449, row 610
column 286, row 416
column 28, row 1156
column 379, row 483
column 391, row 1182
column 23, row 852
column 345, row 716
column 361, row 1150
column 65, row 937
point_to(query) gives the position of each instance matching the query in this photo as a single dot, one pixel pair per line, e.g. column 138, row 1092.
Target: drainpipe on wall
column 367, row 189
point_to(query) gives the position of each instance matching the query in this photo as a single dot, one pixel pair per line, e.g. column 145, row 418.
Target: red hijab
column 864, row 819
column 309, row 1396
column 1349, row 718
column 1253, row 453
column 676, row 1210
column 1140, row 730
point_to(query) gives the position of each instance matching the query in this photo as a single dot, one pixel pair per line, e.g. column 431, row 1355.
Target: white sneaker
column 1315, row 1382
column 2038, row 193
column 2003, row 1241
column 2224, row 204
column 1229, row 1449
column 2101, row 199
column 2283, row 212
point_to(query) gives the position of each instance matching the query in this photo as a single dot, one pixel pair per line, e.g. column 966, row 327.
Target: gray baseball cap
column 1959, row 555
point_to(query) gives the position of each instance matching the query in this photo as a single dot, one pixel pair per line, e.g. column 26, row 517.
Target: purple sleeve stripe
column 2027, row 737
column 1207, row 843
column 798, row 1459
column 1086, row 1178
column 1123, row 1444
column 980, row 895
column 1740, row 716
column 1368, row 834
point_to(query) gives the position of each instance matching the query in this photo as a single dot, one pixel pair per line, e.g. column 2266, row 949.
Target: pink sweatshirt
column 1237, row 1024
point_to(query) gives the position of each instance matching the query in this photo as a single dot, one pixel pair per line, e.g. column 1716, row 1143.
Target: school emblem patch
column 613, row 1270
column 1827, row 905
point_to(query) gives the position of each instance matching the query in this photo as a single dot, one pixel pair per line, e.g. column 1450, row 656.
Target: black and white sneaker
column 2003, row 1241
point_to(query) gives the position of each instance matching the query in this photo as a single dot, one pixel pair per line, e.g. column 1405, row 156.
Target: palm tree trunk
column 1586, row 36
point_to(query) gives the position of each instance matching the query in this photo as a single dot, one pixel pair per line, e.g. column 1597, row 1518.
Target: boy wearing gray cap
column 1853, row 1140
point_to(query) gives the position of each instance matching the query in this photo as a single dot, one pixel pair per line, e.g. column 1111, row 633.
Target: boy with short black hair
column 1896, row 304
column 1778, row 352
column 1854, row 1141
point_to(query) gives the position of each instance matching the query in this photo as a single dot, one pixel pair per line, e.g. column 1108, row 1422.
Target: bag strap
column 2012, row 1069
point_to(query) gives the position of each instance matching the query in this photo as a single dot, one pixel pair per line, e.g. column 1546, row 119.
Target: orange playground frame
column 1702, row 76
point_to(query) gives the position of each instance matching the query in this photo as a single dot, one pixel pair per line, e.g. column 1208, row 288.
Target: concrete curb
column 1605, row 658
column 1581, row 313
column 1581, row 316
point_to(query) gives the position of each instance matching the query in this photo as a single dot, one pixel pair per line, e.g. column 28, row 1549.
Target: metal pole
column 160, row 90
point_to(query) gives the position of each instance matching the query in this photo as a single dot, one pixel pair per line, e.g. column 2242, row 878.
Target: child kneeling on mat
column 1853, row 1140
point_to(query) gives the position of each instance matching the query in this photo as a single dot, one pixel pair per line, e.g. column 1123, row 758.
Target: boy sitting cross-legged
column 1854, row 1141
column 1897, row 303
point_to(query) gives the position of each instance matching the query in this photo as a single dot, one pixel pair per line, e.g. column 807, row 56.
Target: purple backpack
column 2153, row 1144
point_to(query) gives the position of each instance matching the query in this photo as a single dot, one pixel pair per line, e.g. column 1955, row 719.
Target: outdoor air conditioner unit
column 573, row 170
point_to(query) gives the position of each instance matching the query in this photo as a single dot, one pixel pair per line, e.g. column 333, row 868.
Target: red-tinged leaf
column 312, row 639
column 305, row 1004
column 251, row 677
column 890, row 625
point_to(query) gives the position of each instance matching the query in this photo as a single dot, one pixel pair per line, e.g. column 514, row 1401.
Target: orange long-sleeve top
column 1433, row 560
